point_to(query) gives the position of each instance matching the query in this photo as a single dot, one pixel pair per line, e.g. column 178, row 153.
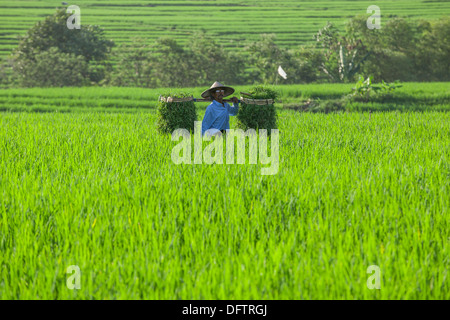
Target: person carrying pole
column 217, row 115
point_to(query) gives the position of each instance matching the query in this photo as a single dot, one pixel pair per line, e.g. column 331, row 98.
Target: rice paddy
column 422, row 96
column 87, row 181
column 99, row 190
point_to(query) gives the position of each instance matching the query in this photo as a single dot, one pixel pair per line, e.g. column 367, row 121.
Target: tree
column 432, row 54
column 214, row 63
column 172, row 65
column 61, row 76
column 344, row 56
column 406, row 50
column 266, row 56
column 308, row 64
column 134, row 66
column 88, row 42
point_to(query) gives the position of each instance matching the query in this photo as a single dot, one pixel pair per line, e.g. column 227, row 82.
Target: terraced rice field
column 412, row 96
column 233, row 22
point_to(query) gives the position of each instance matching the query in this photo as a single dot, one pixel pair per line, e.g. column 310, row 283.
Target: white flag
column 282, row 73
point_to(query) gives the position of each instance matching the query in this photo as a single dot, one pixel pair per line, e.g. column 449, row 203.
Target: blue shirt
column 217, row 116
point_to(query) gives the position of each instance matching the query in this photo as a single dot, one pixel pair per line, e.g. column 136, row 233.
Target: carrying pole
column 225, row 100
column 245, row 100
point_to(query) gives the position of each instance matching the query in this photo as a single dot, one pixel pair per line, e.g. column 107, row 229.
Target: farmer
column 218, row 113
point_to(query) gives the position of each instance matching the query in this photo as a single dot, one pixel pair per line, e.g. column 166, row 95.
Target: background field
column 232, row 22
column 412, row 96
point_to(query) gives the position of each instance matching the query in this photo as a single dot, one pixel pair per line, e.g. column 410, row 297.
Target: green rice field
column 87, row 181
column 412, row 96
column 233, row 22
column 94, row 186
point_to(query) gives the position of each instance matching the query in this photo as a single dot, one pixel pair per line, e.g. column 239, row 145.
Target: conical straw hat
column 217, row 85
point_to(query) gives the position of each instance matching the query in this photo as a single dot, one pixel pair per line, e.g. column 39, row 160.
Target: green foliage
column 390, row 87
column 263, row 92
column 318, row 106
column 402, row 49
column 162, row 64
column 67, row 70
column 176, row 115
column 348, row 67
column 432, row 55
column 328, row 106
column 343, row 56
column 212, row 62
column 229, row 22
column 266, row 56
column 89, row 41
column 51, row 40
column 166, row 63
column 171, row 64
column 134, row 67
column 258, row 116
column 409, row 50
column 307, row 68
column 365, row 89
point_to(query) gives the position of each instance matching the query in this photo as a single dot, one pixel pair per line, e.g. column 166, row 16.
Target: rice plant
column 99, row 191
column 176, row 115
column 258, row 115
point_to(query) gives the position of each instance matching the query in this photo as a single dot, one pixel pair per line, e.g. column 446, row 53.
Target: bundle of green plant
column 258, row 116
column 176, row 114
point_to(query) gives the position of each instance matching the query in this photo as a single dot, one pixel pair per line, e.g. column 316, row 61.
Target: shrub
column 134, row 68
column 366, row 91
column 50, row 42
column 53, row 68
column 258, row 116
column 176, row 115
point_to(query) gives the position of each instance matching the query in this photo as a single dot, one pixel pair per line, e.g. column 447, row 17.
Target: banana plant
column 338, row 49
column 348, row 68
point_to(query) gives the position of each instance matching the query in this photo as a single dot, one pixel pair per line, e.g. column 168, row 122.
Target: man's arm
column 233, row 110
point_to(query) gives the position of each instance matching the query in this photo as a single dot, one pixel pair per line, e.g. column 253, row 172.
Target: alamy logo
column 374, row 21
column 74, row 21
column 373, row 282
column 216, row 147
column 74, row 281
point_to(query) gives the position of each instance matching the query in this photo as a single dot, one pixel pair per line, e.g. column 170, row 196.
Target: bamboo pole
column 246, row 100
